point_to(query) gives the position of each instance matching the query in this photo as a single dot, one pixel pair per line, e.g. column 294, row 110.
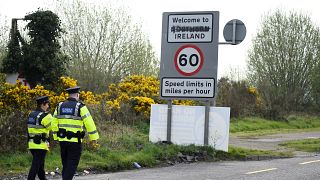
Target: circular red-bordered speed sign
column 188, row 60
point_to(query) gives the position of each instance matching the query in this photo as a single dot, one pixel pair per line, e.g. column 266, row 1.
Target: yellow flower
column 88, row 97
column 183, row 102
column 143, row 104
column 137, row 92
column 68, row 82
column 252, row 90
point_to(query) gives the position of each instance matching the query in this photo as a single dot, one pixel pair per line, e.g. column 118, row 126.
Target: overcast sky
column 149, row 13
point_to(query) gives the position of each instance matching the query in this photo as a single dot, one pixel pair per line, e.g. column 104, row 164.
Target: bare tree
column 104, row 44
column 285, row 51
column 4, row 37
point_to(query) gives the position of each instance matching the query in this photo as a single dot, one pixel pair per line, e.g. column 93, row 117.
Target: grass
column 307, row 145
column 123, row 145
column 12, row 163
column 237, row 153
column 109, row 160
column 253, row 126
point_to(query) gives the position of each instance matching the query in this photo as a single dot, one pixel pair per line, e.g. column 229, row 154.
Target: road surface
column 298, row 168
column 304, row 166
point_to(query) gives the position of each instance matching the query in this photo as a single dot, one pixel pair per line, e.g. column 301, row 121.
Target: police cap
column 42, row 100
column 73, row 90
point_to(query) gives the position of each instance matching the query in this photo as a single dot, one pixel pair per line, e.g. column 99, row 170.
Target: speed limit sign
column 188, row 60
column 189, row 55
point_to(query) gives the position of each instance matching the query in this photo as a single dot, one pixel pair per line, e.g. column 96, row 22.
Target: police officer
column 69, row 120
column 39, row 124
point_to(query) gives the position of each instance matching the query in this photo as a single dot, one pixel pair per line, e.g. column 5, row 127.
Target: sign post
column 189, row 55
column 189, row 59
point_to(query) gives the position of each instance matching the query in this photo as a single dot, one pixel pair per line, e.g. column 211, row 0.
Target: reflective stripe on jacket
column 39, row 124
column 73, row 116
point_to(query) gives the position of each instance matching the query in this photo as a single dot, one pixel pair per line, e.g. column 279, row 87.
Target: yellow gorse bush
column 183, row 102
column 252, row 90
column 137, row 91
column 68, row 82
column 142, row 104
column 55, row 99
column 140, row 91
column 15, row 96
column 88, row 97
column 19, row 96
column 112, row 106
column 140, row 85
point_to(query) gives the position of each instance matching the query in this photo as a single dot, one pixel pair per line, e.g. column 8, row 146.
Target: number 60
column 183, row 61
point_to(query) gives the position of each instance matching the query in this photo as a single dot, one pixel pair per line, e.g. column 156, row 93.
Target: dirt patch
column 271, row 142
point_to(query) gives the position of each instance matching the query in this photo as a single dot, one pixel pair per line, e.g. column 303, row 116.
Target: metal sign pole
column 169, row 117
column 234, row 31
column 206, row 123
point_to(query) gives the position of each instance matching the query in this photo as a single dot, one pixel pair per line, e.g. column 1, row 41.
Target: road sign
column 189, row 55
column 190, row 27
column 197, row 88
column 188, row 60
column 234, row 31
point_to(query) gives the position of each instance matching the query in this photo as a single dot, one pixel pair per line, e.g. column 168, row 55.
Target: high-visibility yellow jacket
column 39, row 126
column 72, row 117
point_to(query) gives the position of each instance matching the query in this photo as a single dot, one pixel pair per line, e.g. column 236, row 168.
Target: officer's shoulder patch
column 31, row 120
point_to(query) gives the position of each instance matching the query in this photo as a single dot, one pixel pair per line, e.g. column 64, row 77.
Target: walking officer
column 39, row 124
column 70, row 119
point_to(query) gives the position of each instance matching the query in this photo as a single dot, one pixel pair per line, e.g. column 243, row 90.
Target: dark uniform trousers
column 37, row 166
column 70, row 156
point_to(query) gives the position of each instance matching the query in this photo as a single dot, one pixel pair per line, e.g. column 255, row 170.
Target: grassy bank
column 106, row 160
column 111, row 160
column 253, row 126
column 121, row 146
column 307, row 145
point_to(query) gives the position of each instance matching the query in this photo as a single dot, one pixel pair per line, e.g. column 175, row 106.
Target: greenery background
column 110, row 57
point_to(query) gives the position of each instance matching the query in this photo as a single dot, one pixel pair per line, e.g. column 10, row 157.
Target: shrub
column 244, row 100
column 13, row 131
column 127, row 102
column 131, row 97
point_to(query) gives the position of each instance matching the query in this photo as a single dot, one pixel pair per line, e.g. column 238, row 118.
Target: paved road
column 305, row 166
column 298, row 168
